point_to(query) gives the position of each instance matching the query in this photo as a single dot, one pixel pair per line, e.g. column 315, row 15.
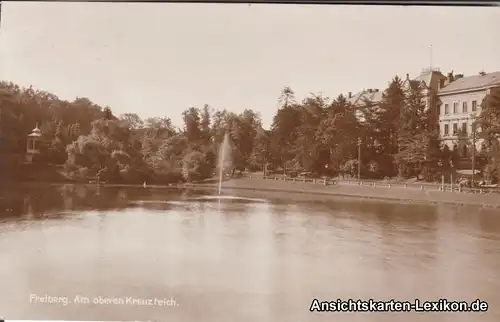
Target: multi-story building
column 429, row 82
column 455, row 100
column 460, row 103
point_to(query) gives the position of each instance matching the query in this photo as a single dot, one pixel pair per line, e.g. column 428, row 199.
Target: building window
column 455, row 128
column 464, row 128
column 455, row 108
column 464, row 107
column 474, row 106
column 438, row 110
column 446, row 130
column 473, row 127
column 446, row 109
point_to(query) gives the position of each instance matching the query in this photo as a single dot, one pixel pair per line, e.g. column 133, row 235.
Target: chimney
column 407, row 76
column 458, row 76
column 482, row 73
column 376, row 90
column 350, row 94
column 451, row 78
column 442, row 83
column 370, row 90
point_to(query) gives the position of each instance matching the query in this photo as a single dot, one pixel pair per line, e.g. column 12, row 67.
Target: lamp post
column 451, row 174
column 359, row 159
column 474, row 138
column 441, row 167
column 473, row 157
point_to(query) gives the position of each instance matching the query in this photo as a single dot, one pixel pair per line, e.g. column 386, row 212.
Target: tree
column 195, row 167
column 308, row 151
column 432, row 168
column 131, row 121
column 73, row 131
column 107, row 114
column 284, row 132
column 317, row 134
column 260, row 154
column 390, row 114
column 489, row 123
column 166, row 160
column 107, row 151
column 338, row 133
column 413, row 132
column 205, row 124
column 155, row 132
column 192, row 128
column 242, row 130
column 385, row 125
column 159, row 128
column 287, row 97
column 455, row 156
column 463, row 143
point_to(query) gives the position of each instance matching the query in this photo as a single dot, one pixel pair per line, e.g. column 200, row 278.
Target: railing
column 325, row 182
column 387, row 184
column 430, row 69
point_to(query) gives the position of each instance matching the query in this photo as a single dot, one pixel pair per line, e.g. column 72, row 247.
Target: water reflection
column 237, row 260
column 40, row 201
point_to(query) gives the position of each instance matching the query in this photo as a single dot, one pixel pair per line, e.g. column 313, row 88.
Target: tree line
column 320, row 135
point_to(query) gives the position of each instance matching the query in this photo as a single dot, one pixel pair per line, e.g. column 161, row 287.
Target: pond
column 90, row 253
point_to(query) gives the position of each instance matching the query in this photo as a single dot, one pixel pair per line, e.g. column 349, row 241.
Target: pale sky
column 158, row 59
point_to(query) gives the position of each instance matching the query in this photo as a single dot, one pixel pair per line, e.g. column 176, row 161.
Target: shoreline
column 360, row 192
column 283, row 189
column 411, row 195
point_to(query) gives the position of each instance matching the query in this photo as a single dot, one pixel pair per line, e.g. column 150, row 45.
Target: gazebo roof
column 36, row 132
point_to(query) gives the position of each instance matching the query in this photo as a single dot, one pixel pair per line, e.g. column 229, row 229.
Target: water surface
column 232, row 260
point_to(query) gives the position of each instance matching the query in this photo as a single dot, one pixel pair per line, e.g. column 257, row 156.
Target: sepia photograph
column 236, row 162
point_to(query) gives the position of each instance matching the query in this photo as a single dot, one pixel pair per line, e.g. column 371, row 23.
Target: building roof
column 360, row 98
column 375, row 96
column 425, row 77
column 472, row 82
column 415, row 83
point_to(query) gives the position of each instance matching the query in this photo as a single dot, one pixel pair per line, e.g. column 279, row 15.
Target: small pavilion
column 32, row 144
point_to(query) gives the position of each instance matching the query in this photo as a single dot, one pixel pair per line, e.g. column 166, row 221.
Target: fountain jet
column 224, row 161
